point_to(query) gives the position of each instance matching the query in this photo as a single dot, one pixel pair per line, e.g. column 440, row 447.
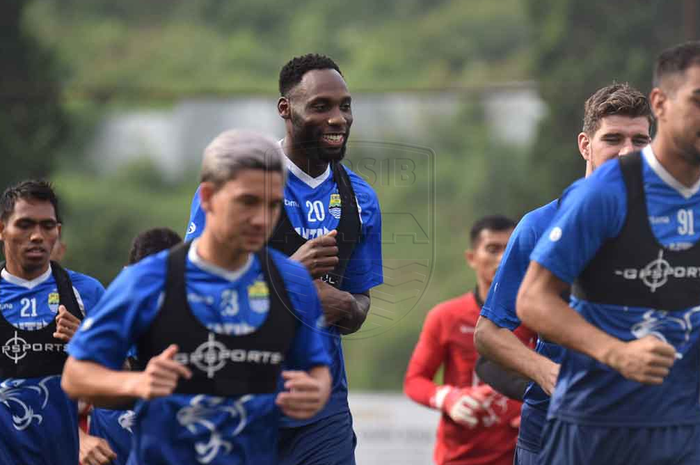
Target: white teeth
column 333, row 137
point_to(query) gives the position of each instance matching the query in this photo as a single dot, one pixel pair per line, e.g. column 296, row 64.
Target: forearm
column 420, row 389
column 508, row 383
column 357, row 315
column 503, row 347
column 101, row 386
column 323, row 375
column 542, row 309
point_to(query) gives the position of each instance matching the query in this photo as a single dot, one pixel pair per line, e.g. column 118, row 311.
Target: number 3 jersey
column 39, row 422
column 313, row 206
column 630, row 257
column 202, row 428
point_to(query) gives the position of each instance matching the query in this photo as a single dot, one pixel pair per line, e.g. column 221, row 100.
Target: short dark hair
column 30, row 189
column 676, row 60
column 615, row 99
column 492, row 223
column 293, row 72
column 151, row 242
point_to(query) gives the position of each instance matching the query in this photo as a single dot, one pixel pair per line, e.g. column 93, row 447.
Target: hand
column 66, row 324
column 496, row 409
column 336, row 304
column 647, row 360
column 459, row 404
column 161, row 375
column 515, row 422
column 94, row 450
column 547, row 376
column 319, row 256
column 304, row 395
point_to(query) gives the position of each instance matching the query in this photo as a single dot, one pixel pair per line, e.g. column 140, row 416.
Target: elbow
column 525, row 307
column 67, row 379
column 481, row 336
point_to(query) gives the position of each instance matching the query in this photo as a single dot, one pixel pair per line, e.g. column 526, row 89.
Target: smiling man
column 41, row 307
column 331, row 223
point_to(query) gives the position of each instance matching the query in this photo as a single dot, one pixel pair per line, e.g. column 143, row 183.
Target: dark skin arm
column 345, row 310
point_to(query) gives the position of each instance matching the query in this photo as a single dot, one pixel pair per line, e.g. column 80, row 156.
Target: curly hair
column 293, row 72
column 615, row 99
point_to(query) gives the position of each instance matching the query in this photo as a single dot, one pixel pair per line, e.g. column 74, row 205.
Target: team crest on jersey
column 259, row 297
column 334, row 206
column 54, row 301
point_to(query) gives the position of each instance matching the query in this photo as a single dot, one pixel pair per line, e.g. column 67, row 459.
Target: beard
column 310, row 139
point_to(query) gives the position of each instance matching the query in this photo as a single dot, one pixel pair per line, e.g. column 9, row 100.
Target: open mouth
column 334, row 139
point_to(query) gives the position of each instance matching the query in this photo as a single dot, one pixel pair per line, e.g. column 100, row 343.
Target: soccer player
column 625, row 238
column 475, row 427
column 617, row 120
column 331, row 223
column 41, row 306
column 115, row 426
column 213, row 321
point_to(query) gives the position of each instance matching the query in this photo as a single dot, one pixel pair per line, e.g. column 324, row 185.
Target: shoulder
column 606, row 182
column 449, row 308
column 84, row 282
column 150, row 269
column 364, row 193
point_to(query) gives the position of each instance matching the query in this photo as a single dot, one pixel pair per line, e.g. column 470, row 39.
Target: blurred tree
column 32, row 122
column 582, row 45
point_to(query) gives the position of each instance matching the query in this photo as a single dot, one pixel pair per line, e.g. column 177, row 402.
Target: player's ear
column 469, row 255
column 206, row 192
column 584, row 146
column 657, row 99
column 283, row 108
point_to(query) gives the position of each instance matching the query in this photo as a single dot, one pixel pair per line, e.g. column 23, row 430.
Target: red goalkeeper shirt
column 448, row 339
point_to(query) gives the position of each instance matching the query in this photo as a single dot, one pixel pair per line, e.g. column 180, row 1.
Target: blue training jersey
column 313, row 208
column 115, row 426
column 499, row 307
column 39, row 422
column 186, row 429
column 589, row 392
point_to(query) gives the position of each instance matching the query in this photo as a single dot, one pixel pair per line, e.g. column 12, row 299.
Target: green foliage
column 103, row 215
column 161, row 49
column 581, row 47
column 32, row 121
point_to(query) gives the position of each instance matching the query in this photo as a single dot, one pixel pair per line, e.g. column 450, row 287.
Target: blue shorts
column 525, row 457
column 573, row 444
column 330, row 441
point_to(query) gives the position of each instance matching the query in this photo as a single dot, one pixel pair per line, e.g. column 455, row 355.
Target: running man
column 331, row 223
column 111, row 430
column 41, row 306
column 476, row 425
column 626, row 240
column 617, row 121
column 213, row 321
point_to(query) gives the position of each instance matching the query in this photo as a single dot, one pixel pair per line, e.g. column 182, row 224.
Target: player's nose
column 627, row 148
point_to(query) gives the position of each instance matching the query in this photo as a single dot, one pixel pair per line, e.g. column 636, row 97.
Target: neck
column 297, row 153
column 673, row 160
column 482, row 288
column 219, row 254
column 15, row 270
